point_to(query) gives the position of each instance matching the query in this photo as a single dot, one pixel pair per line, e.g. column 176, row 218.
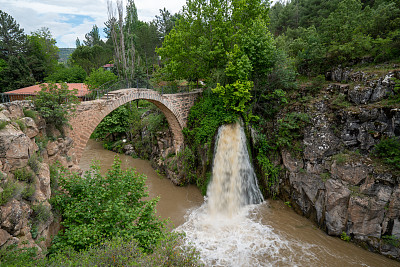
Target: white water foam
column 225, row 229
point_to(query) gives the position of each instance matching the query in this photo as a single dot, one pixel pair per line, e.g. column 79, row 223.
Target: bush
column 99, row 207
column 14, row 256
column 389, row 150
column 24, row 175
column 55, row 102
column 21, row 125
column 34, row 163
column 290, row 128
column 41, row 142
column 11, row 189
column 3, row 124
column 30, row 113
column 41, row 214
column 28, row 192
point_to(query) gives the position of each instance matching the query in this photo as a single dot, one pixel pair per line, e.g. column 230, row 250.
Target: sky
column 69, row 19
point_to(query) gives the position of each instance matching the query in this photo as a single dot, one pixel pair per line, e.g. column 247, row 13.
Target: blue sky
column 69, row 19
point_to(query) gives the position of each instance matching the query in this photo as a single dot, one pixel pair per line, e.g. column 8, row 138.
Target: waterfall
column 227, row 229
column 234, row 183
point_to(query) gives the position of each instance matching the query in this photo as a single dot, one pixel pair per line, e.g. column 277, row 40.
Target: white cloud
column 58, row 15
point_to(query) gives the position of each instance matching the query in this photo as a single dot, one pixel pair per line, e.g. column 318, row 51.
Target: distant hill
column 64, row 54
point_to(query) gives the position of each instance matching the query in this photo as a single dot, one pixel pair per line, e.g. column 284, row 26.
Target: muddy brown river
column 267, row 234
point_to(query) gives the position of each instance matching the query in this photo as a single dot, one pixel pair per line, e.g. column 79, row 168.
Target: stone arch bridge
column 90, row 113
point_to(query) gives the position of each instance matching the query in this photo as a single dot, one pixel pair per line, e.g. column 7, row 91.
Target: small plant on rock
column 345, row 237
column 24, row 175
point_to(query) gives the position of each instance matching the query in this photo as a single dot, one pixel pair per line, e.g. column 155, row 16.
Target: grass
column 325, row 176
column 340, row 102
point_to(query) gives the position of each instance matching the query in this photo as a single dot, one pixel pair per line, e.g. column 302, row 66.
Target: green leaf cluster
column 55, row 102
column 99, row 77
column 389, row 150
column 96, row 207
column 320, row 35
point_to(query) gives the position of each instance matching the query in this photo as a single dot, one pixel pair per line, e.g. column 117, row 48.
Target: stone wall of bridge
column 89, row 114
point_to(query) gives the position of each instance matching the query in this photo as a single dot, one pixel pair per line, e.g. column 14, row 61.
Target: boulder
column 31, row 128
column 336, row 202
column 351, row 173
column 4, row 236
column 360, row 95
column 365, row 217
column 14, row 215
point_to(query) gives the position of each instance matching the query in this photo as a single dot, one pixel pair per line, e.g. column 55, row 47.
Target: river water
column 266, row 234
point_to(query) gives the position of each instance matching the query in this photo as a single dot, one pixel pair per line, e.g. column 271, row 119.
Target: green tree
column 15, row 74
column 93, row 37
column 74, row 74
column 96, row 207
column 99, row 77
column 42, row 54
column 115, row 124
column 55, row 103
column 12, row 38
column 91, row 57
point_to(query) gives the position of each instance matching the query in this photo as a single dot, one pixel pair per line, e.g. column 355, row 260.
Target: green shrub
column 54, row 177
column 28, row 192
column 21, row 125
column 10, row 189
column 41, row 142
column 388, row 149
column 271, row 174
column 41, row 214
column 24, row 175
column 290, row 128
column 98, row 207
column 340, row 102
column 325, row 176
column 14, row 256
column 55, row 102
column 3, row 124
column 345, row 237
column 30, row 113
column 392, row 240
column 34, row 163
column 204, row 119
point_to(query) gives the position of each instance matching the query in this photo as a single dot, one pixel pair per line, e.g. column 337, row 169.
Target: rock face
column 20, row 146
column 335, row 182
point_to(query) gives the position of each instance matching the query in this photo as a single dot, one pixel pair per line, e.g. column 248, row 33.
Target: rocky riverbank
column 27, row 151
column 336, row 181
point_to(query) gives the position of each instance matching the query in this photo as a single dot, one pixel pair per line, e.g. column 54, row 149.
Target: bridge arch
column 89, row 114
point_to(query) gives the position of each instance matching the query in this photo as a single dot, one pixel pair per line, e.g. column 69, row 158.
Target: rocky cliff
column 335, row 180
column 27, row 151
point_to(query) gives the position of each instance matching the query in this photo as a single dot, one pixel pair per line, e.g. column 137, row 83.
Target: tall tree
column 93, row 37
column 42, row 54
column 13, row 41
